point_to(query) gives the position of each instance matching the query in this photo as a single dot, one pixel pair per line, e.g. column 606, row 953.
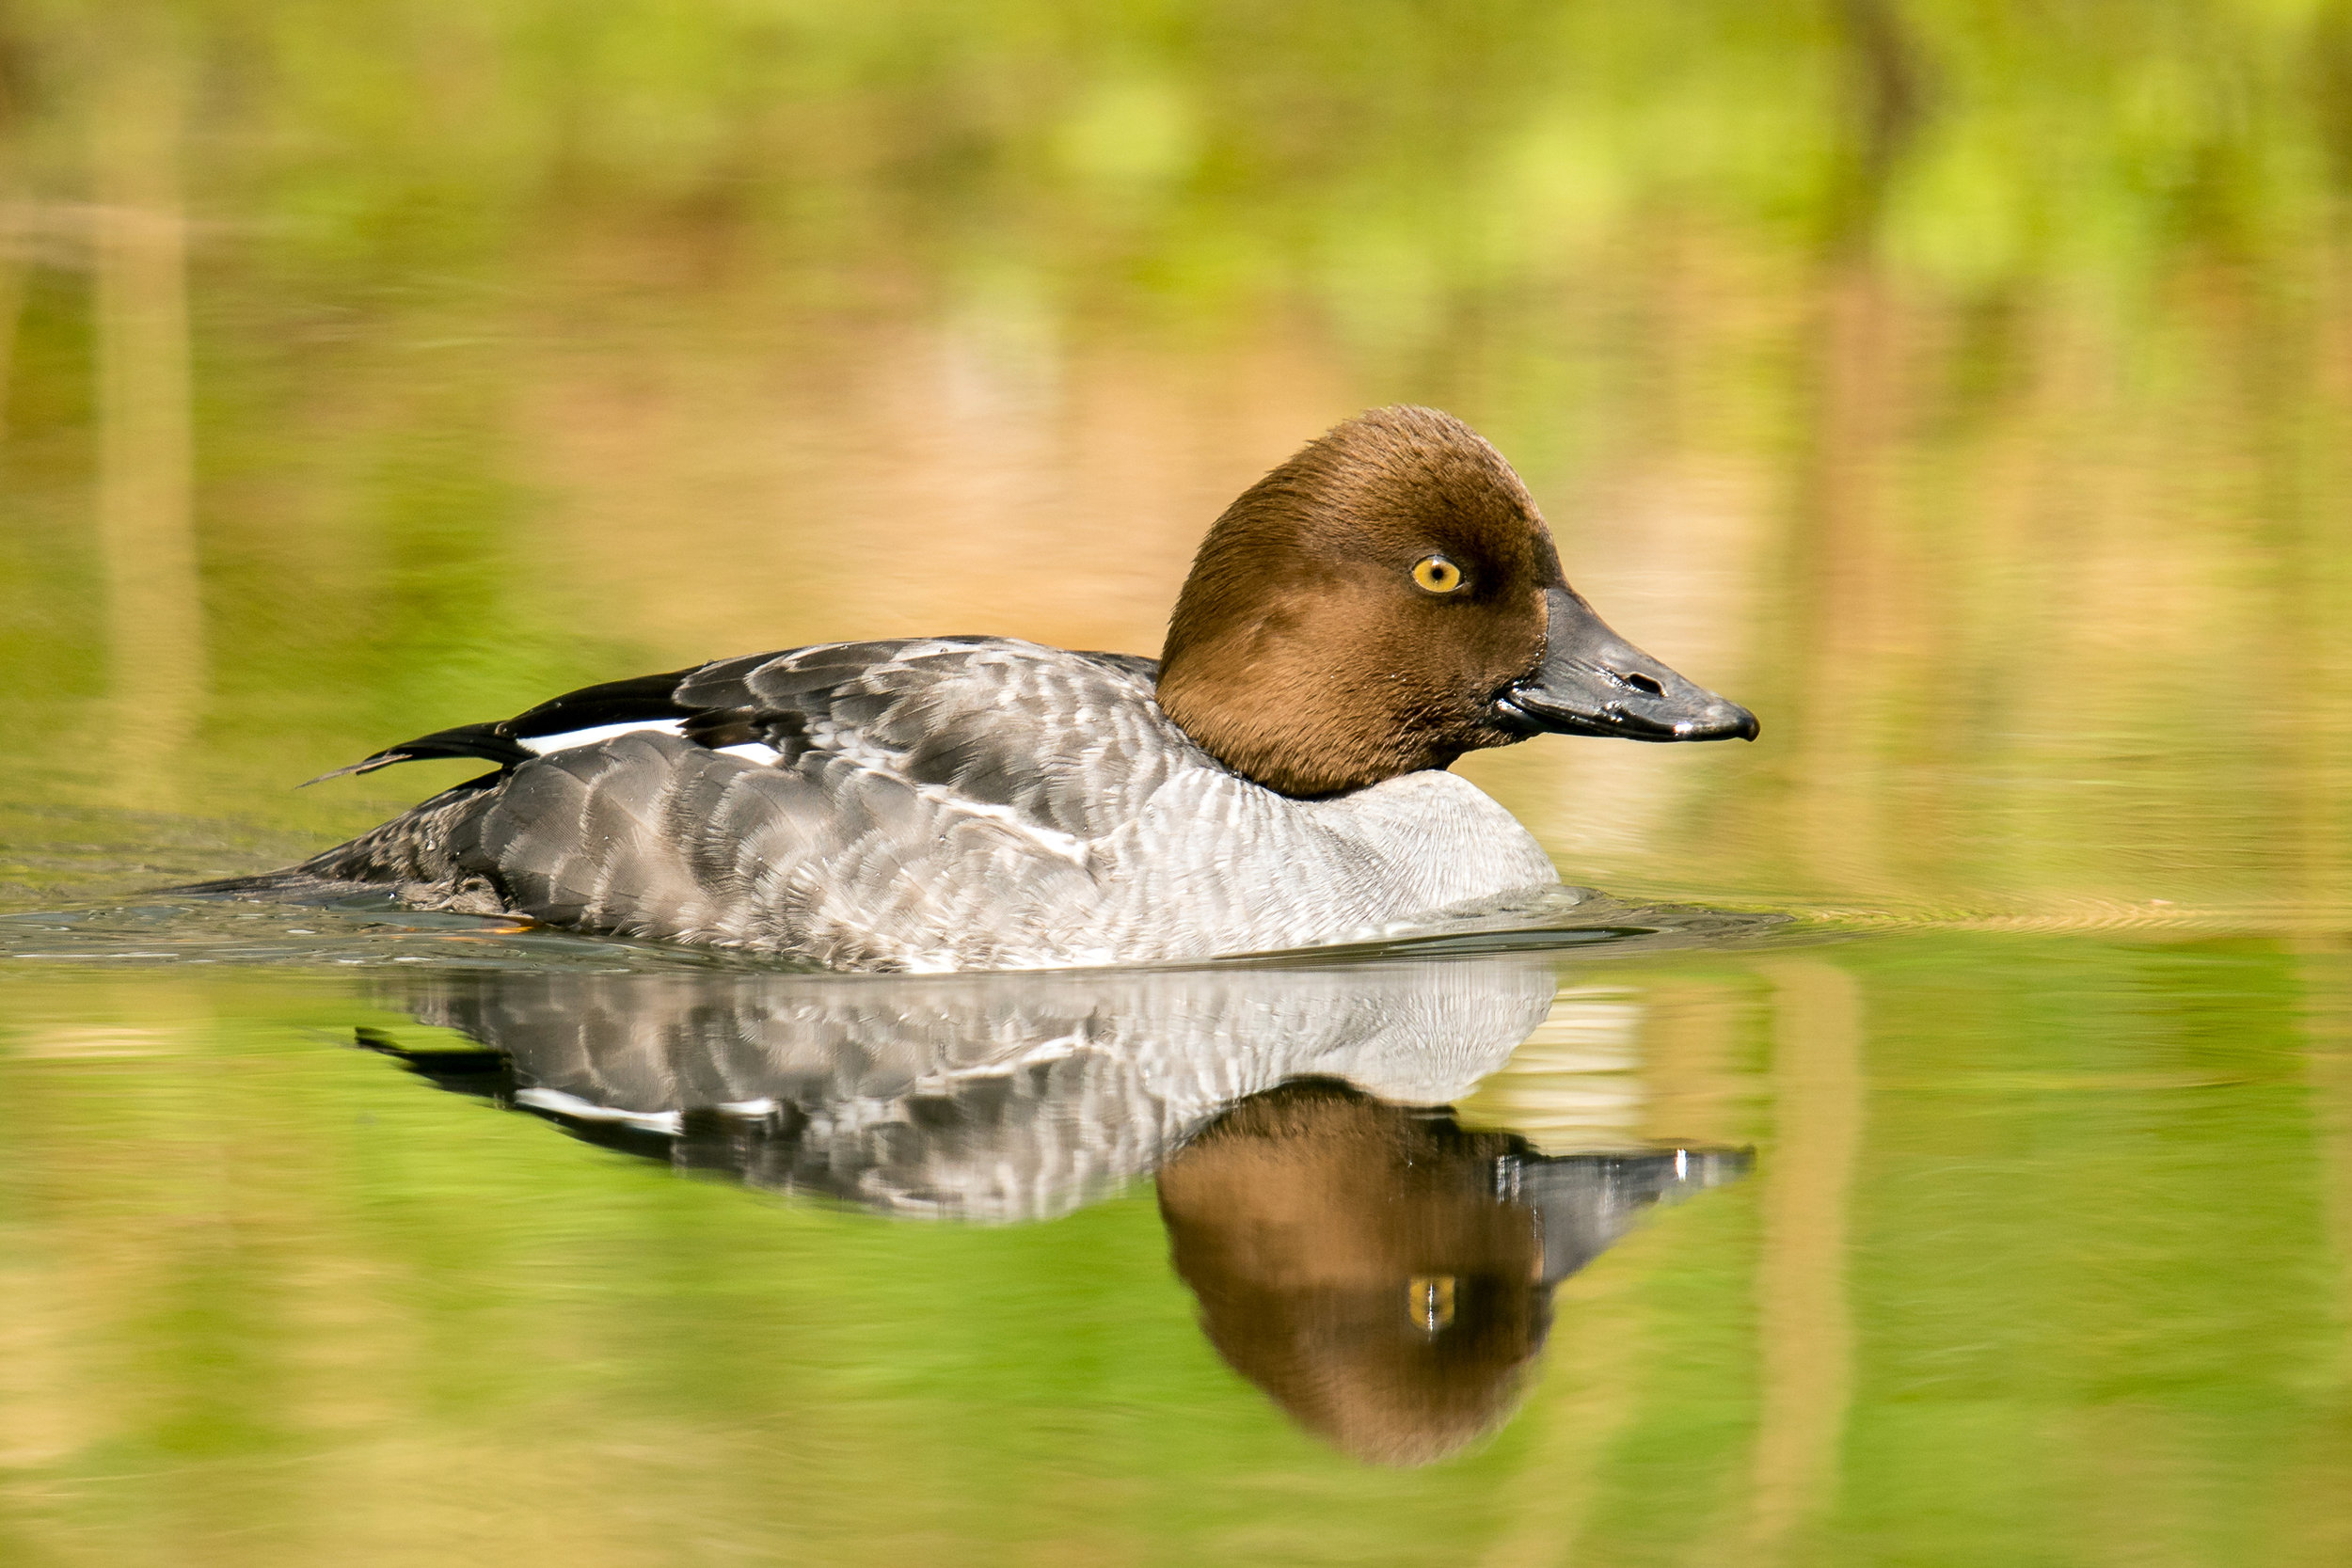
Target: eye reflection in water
column 1382, row 1273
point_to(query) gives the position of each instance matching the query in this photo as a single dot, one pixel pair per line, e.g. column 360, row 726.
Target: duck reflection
column 1382, row 1273
column 990, row 1097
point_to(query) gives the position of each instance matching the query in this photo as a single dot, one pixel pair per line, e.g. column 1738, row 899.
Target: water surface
column 1965, row 393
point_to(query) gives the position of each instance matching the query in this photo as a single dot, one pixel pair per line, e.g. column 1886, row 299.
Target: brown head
column 1389, row 599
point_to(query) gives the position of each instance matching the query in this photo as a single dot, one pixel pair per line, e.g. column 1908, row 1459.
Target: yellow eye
column 1437, row 574
column 1429, row 1301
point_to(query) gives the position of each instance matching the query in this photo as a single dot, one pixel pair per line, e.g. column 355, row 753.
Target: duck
column 1382, row 604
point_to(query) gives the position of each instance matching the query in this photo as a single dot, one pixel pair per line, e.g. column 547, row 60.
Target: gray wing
column 925, row 799
column 1068, row 742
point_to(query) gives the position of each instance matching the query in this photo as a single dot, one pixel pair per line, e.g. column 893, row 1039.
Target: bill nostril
column 1642, row 683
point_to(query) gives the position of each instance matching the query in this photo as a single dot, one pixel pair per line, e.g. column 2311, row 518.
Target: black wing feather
column 633, row 701
column 467, row 740
column 638, row 699
column 772, row 697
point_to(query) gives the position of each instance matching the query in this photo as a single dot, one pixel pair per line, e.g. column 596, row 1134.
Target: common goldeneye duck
column 1384, row 602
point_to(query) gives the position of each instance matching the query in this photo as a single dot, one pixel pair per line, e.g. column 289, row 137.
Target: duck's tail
column 416, row 850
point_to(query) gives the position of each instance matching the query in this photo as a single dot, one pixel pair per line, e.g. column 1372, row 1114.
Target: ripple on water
column 375, row 929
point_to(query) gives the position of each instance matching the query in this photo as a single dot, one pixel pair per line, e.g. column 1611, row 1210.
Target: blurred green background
column 1963, row 387
column 1967, row 388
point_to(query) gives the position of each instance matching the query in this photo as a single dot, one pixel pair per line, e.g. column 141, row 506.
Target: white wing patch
column 541, row 745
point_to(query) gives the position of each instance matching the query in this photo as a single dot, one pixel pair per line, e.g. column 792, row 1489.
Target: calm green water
column 1968, row 392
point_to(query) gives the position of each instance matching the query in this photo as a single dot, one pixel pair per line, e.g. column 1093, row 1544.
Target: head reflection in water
column 1384, row 1274
column 1352, row 1259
